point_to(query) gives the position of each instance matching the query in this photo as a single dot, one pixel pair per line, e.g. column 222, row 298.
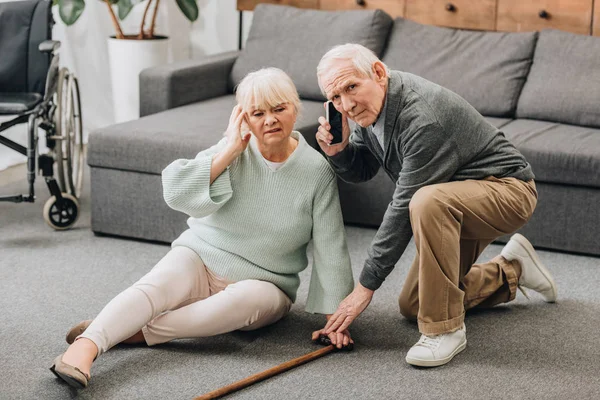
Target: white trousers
column 181, row 298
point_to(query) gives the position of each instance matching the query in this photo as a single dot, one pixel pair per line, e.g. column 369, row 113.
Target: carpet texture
column 52, row 280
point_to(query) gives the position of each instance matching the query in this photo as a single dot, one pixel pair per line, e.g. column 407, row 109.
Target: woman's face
column 272, row 126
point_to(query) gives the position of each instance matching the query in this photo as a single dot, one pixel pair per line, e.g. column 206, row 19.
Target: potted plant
column 129, row 53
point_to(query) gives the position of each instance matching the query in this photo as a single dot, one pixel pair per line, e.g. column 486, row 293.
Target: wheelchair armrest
column 49, row 46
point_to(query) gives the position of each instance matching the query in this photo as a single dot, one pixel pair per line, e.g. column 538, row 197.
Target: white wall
column 216, row 29
column 84, row 52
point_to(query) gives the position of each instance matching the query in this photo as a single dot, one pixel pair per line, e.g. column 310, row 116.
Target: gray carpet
column 51, row 280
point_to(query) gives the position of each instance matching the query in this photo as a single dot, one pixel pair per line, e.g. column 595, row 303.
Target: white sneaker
column 534, row 275
column 433, row 351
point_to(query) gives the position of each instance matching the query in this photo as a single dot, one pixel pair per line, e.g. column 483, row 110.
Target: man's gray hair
column 361, row 57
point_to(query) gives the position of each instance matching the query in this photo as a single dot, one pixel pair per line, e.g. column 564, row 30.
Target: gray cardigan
column 431, row 135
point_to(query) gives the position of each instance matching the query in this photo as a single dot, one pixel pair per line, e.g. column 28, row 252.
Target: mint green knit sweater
column 255, row 223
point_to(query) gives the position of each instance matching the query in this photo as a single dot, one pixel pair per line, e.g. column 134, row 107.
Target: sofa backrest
column 564, row 82
column 488, row 69
column 294, row 40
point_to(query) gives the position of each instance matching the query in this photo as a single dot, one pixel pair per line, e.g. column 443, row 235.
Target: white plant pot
column 127, row 58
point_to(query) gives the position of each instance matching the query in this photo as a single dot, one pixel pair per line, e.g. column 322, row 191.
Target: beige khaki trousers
column 452, row 224
column 181, row 298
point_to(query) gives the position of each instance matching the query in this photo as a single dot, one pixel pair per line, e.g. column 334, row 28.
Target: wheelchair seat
column 17, row 103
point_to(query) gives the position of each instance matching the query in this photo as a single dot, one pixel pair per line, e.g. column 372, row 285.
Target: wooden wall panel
column 502, row 15
column 533, row 15
column 596, row 28
column 467, row 14
column 393, row 7
column 248, row 5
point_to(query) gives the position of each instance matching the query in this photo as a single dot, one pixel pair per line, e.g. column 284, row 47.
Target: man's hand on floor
column 350, row 308
column 339, row 340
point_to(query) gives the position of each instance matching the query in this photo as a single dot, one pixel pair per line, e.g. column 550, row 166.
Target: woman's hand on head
column 237, row 137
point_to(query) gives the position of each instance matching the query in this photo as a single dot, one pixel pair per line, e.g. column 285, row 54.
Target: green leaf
column 125, row 7
column 70, row 10
column 189, row 8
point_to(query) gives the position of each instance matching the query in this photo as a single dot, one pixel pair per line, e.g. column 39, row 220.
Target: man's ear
column 379, row 71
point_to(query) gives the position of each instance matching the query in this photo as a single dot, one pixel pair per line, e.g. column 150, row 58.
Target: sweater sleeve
column 187, row 188
column 355, row 163
column 429, row 157
column 331, row 279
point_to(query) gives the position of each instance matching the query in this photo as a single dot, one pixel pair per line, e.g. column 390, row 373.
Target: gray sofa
column 541, row 89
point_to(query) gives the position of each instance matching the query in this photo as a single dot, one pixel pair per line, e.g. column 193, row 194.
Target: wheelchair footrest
column 19, row 198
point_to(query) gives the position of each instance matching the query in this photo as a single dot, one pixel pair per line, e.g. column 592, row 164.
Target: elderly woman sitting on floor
column 255, row 200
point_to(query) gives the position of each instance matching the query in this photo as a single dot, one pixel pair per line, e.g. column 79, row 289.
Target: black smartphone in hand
column 334, row 117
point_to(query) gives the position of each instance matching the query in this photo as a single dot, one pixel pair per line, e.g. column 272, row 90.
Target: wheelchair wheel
column 69, row 152
column 61, row 218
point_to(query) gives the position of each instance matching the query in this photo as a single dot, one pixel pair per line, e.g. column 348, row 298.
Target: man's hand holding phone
column 334, row 131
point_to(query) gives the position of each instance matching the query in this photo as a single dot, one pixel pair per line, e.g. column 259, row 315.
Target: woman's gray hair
column 265, row 89
column 361, row 57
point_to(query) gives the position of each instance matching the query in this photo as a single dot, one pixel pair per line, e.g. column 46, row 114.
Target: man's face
column 360, row 98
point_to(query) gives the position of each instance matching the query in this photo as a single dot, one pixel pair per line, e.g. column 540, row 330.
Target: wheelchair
column 41, row 94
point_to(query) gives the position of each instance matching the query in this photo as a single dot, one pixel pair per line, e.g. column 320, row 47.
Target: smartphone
column 334, row 117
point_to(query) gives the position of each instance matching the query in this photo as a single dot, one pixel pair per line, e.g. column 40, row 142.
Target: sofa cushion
column 498, row 122
column 564, row 82
column 558, row 153
column 151, row 143
column 488, row 69
column 294, row 40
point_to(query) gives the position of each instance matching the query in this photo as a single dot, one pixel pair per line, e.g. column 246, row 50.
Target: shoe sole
column 436, row 363
column 68, row 379
column 537, row 262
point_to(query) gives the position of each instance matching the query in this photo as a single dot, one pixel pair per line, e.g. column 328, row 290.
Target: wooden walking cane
column 215, row 394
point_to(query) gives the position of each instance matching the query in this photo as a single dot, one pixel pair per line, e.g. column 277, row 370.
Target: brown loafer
column 70, row 374
column 77, row 330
